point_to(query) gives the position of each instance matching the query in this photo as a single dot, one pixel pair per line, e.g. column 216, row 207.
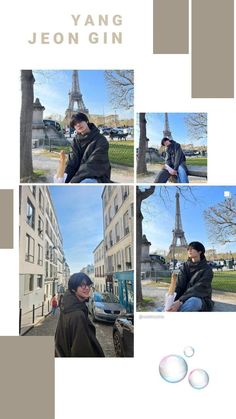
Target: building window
column 40, row 255
column 28, row 283
column 29, row 249
column 118, row 261
column 46, row 270
column 33, row 189
column 30, row 214
column 109, row 214
column 125, row 192
column 132, row 210
column 39, row 281
column 110, row 239
column 40, row 227
column 47, row 251
column 117, row 230
column 116, row 207
column 126, row 223
column 128, row 257
column 41, row 201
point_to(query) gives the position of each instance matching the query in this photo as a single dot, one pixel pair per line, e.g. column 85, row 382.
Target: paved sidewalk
column 46, row 327
column 224, row 301
column 27, row 318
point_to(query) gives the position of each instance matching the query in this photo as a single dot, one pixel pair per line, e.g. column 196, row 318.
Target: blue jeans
column 88, row 180
column 182, row 175
column 192, row 304
column 53, row 312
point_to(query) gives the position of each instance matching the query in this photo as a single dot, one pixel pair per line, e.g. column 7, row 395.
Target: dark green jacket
column 89, row 158
column 75, row 333
column 194, row 280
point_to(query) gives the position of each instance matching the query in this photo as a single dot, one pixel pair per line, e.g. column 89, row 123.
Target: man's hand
column 175, row 306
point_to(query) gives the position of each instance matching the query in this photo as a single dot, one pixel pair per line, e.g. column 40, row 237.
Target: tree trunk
column 141, row 164
column 26, row 118
column 140, row 196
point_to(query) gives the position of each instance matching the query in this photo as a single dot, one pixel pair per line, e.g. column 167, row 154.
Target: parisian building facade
column 117, row 243
column 99, row 271
column 43, row 268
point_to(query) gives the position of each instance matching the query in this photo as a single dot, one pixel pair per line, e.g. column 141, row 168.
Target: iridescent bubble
column 198, row 378
column 173, row 368
column 188, row 351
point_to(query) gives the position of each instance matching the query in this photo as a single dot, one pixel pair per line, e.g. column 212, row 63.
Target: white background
column 121, row 387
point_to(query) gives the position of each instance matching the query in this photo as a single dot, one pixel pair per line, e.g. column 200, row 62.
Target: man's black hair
column 78, row 117
column 164, row 140
column 198, row 246
column 76, row 280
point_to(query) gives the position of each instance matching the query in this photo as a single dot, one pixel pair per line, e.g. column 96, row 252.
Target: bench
column 199, row 171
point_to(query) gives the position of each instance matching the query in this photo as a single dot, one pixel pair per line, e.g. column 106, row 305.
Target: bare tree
column 197, row 125
column 26, row 118
column 141, row 195
column 141, row 163
column 120, row 85
column 221, row 221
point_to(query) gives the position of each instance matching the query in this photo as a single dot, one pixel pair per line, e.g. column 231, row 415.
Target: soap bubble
column 188, row 351
column 173, row 368
column 198, row 378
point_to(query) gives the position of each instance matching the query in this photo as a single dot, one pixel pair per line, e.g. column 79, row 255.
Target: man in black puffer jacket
column 89, row 162
column 75, row 333
column 175, row 163
column 194, row 290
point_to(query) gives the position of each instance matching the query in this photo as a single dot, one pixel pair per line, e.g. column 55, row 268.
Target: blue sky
column 159, row 216
column 155, row 127
column 79, row 213
column 52, row 87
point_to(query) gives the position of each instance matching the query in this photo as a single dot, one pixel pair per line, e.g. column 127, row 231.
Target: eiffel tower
column 176, row 250
column 75, row 97
column 167, row 132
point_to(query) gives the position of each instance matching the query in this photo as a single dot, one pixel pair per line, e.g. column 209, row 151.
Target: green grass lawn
column 222, row 281
column 201, row 161
column 121, row 152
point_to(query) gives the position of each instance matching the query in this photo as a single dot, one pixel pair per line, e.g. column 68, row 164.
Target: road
column 103, row 332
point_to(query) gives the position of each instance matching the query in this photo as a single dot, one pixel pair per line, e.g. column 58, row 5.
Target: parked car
column 123, row 335
column 53, row 123
column 105, row 306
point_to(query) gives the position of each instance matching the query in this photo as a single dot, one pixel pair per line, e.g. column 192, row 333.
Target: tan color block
column 212, row 48
column 6, row 219
column 170, row 26
column 27, row 377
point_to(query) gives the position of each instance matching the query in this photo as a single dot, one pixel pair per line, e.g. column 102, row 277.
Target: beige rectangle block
column 213, row 48
column 27, row 377
column 6, row 219
column 170, row 26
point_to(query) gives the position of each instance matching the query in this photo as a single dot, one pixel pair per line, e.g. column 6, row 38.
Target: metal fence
column 121, row 152
column 224, row 280
column 29, row 318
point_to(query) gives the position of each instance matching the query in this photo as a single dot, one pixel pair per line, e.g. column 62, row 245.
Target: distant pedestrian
column 54, row 304
column 76, row 334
